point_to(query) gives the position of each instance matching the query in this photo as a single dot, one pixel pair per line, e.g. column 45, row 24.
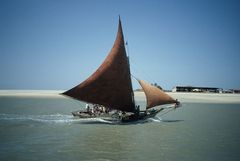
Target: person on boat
column 88, row 108
column 176, row 104
column 107, row 110
column 92, row 111
column 102, row 110
column 137, row 110
column 146, row 112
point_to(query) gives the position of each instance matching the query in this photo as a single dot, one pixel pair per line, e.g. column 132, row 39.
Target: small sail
column 110, row 85
column 155, row 96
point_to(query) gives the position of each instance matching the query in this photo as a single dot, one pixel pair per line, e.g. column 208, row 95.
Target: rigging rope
column 149, row 78
column 134, row 77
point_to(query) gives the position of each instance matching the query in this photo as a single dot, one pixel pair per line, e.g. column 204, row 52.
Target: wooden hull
column 84, row 114
column 114, row 116
column 142, row 116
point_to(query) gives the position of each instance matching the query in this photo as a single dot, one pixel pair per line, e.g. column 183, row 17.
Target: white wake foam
column 155, row 119
column 61, row 118
column 51, row 118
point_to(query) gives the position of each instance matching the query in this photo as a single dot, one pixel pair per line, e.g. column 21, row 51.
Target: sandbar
column 139, row 96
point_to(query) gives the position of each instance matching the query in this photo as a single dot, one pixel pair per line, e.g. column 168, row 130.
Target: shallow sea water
column 33, row 128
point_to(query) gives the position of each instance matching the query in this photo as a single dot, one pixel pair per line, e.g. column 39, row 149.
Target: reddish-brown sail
column 110, row 85
column 155, row 96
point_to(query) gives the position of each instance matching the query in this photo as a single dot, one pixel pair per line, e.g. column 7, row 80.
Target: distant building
column 235, row 91
column 227, row 91
column 196, row 89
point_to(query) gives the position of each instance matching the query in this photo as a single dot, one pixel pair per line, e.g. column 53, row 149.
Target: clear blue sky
column 56, row 44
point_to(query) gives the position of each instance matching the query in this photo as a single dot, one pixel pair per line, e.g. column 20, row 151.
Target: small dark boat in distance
column 110, row 86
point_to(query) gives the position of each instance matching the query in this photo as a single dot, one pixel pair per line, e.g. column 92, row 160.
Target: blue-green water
column 33, row 128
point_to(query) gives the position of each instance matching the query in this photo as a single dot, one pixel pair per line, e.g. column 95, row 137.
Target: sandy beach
column 182, row 97
column 31, row 93
column 199, row 97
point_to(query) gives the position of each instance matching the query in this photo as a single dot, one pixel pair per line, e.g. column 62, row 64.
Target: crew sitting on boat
column 96, row 109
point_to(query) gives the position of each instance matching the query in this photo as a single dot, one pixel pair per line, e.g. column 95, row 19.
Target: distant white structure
column 196, row 89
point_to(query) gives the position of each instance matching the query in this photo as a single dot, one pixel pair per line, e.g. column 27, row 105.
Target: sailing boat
column 110, row 86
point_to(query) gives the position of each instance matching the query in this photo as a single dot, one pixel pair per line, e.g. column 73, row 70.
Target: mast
column 128, row 57
column 132, row 93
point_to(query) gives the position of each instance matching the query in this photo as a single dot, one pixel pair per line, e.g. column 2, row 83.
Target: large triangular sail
column 155, row 96
column 110, row 85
